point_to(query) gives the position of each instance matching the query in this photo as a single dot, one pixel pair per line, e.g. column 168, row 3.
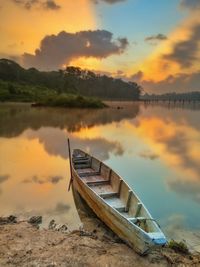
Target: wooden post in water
column 70, row 164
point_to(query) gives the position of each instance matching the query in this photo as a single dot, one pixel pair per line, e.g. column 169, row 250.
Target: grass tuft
column 179, row 247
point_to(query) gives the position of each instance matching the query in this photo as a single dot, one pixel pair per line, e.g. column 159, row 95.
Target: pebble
column 58, row 227
column 35, row 220
column 9, row 219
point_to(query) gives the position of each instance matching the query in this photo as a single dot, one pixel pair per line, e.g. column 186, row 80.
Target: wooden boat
column 115, row 203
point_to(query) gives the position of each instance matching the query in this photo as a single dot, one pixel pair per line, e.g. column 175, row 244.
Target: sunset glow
column 167, row 47
column 23, row 29
column 99, row 113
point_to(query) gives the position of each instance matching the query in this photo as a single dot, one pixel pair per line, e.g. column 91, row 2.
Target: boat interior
column 113, row 190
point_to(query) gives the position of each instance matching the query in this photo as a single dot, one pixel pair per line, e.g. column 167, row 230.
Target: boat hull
column 119, row 225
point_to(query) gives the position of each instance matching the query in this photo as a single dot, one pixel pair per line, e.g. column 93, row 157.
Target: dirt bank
column 23, row 244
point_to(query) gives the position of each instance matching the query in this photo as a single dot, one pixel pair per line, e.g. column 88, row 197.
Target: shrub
column 179, row 247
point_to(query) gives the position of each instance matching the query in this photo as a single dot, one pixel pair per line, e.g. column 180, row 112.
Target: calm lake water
column 156, row 148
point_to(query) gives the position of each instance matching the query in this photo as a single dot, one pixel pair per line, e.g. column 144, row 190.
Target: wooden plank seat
column 86, row 170
column 88, row 174
column 80, row 158
column 115, row 202
column 104, row 190
column 83, row 161
column 94, row 178
column 124, row 212
column 109, row 194
column 98, row 182
column 118, row 204
column 82, row 166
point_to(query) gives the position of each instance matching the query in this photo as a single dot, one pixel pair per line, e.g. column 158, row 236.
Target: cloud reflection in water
column 138, row 144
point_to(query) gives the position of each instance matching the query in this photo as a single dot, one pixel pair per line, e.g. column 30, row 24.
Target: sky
column 154, row 43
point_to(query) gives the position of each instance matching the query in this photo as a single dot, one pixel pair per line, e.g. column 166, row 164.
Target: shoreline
column 93, row 245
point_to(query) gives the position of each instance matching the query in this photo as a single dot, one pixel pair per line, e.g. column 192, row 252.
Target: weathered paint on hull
column 119, row 225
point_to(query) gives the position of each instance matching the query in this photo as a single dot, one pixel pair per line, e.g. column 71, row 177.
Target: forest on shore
column 73, row 86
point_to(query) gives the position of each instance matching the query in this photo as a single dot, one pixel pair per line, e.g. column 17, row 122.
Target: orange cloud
column 165, row 59
column 30, row 26
column 56, row 50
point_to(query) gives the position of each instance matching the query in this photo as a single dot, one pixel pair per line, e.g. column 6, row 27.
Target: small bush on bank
column 179, row 247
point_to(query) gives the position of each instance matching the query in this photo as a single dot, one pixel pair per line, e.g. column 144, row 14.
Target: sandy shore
column 23, row 244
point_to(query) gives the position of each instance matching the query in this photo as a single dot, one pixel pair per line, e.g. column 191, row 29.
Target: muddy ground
column 23, row 243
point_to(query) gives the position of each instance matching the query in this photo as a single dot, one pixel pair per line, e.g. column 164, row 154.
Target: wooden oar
column 70, row 163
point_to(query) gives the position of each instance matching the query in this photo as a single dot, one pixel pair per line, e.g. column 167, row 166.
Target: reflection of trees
column 14, row 119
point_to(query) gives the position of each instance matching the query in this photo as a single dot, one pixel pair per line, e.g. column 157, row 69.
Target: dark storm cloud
column 190, row 4
column 29, row 4
column 157, row 37
column 107, row 1
column 185, row 53
column 56, row 50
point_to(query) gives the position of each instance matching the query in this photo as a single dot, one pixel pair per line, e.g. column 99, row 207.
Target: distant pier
column 156, row 100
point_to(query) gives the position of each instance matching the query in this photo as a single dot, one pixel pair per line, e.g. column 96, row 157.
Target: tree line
column 72, row 80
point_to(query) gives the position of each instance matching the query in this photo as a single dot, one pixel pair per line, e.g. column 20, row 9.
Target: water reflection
column 55, row 143
column 156, row 149
column 148, row 155
column 189, row 105
column 71, row 120
column 60, row 208
column 178, row 145
column 33, row 152
column 3, row 178
column 37, row 180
